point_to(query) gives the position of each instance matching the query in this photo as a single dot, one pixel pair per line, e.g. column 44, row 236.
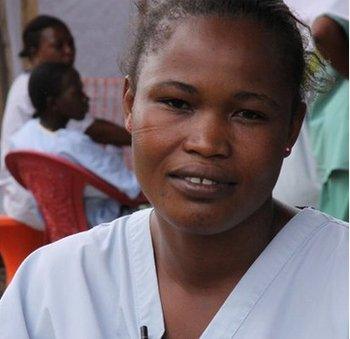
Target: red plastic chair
column 58, row 186
column 17, row 241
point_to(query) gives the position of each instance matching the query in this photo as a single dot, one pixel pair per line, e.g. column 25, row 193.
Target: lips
column 202, row 182
column 203, row 174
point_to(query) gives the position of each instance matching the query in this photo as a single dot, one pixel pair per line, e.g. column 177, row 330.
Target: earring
column 287, row 151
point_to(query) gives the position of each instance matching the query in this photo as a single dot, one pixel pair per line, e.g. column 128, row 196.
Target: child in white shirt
column 56, row 93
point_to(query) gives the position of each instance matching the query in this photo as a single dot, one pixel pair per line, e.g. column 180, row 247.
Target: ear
column 295, row 126
column 128, row 103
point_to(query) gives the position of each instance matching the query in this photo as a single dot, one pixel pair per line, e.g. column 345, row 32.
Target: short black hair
column 46, row 81
column 154, row 27
column 32, row 32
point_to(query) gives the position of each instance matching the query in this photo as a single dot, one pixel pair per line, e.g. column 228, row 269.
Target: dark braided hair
column 46, row 81
column 156, row 23
column 32, row 33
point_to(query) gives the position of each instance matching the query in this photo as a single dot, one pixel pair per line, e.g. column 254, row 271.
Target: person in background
column 55, row 89
column 214, row 101
column 329, row 116
column 48, row 39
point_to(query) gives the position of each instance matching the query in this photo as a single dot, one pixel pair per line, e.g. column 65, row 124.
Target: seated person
column 48, row 39
column 56, row 92
column 329, row 114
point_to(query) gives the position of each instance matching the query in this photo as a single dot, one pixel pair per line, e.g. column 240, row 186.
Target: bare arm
column 105, row 132
column 332, row 42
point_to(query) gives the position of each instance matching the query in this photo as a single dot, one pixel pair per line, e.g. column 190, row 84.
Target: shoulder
column 326, row 221
column 93, row 247
column 89, row 272
column 18, row 97
column 325, row 238
column 30, row 127
column 20, row 84
column 22, row 79
column 323, row 223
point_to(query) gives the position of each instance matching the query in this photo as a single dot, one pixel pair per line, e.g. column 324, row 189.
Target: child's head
column 56, row 89
column 214, row 104
column 47, row 39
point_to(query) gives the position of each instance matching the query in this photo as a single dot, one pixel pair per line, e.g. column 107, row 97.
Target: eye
column 248, row 115
column 176, row 104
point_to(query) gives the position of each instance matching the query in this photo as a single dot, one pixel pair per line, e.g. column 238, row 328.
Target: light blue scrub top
column 102, row 284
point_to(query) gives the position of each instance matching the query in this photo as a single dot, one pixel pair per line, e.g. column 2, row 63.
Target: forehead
column 53, row 34
column 227, row 52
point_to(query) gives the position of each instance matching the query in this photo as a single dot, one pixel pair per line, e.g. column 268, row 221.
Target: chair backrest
column 58, row 187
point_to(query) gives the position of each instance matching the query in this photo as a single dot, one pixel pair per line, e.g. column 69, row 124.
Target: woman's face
column 210, row 122
column 56, row 45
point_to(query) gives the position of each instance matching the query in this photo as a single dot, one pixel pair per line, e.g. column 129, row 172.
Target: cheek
column 154, row 140
column 260, row 154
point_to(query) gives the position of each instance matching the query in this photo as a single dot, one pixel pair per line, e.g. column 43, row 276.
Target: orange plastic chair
column 58, row 187
column 17, row 241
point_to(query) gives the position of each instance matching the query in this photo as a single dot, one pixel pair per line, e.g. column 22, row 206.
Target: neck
column 53, row 122
column 198, row 262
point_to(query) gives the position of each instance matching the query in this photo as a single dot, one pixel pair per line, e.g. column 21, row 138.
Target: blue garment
column 329, row 132
column 103, row 284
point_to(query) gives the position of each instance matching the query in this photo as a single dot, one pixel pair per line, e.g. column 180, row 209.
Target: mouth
column 202, row 183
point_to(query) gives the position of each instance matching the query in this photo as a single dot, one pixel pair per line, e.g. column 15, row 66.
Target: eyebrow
column 179, row 85
column 241, row 95
column 246, row 95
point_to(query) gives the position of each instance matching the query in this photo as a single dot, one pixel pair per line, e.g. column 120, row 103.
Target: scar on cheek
column 154, row 128
column 148, row 129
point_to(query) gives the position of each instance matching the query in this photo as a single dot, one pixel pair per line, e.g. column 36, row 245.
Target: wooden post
column 5, row 57
column 29, row 11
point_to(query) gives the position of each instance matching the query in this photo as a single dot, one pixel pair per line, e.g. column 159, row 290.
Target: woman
column 57, row 95
column 214, row 103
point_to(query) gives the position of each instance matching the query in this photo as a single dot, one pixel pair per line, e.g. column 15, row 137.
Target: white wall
column 100, row 29
column 308, row 10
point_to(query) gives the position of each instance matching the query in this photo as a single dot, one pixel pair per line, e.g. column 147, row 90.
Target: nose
column 208, row 136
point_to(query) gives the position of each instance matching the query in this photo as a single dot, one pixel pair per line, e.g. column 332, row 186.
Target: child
column 214, row 103
column 56, row 92
column 48, row 39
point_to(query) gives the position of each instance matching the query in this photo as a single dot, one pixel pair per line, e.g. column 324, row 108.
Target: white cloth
column 103, row 284
column 107, row 163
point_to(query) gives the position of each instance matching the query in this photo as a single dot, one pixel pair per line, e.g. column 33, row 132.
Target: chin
column 203, row 220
